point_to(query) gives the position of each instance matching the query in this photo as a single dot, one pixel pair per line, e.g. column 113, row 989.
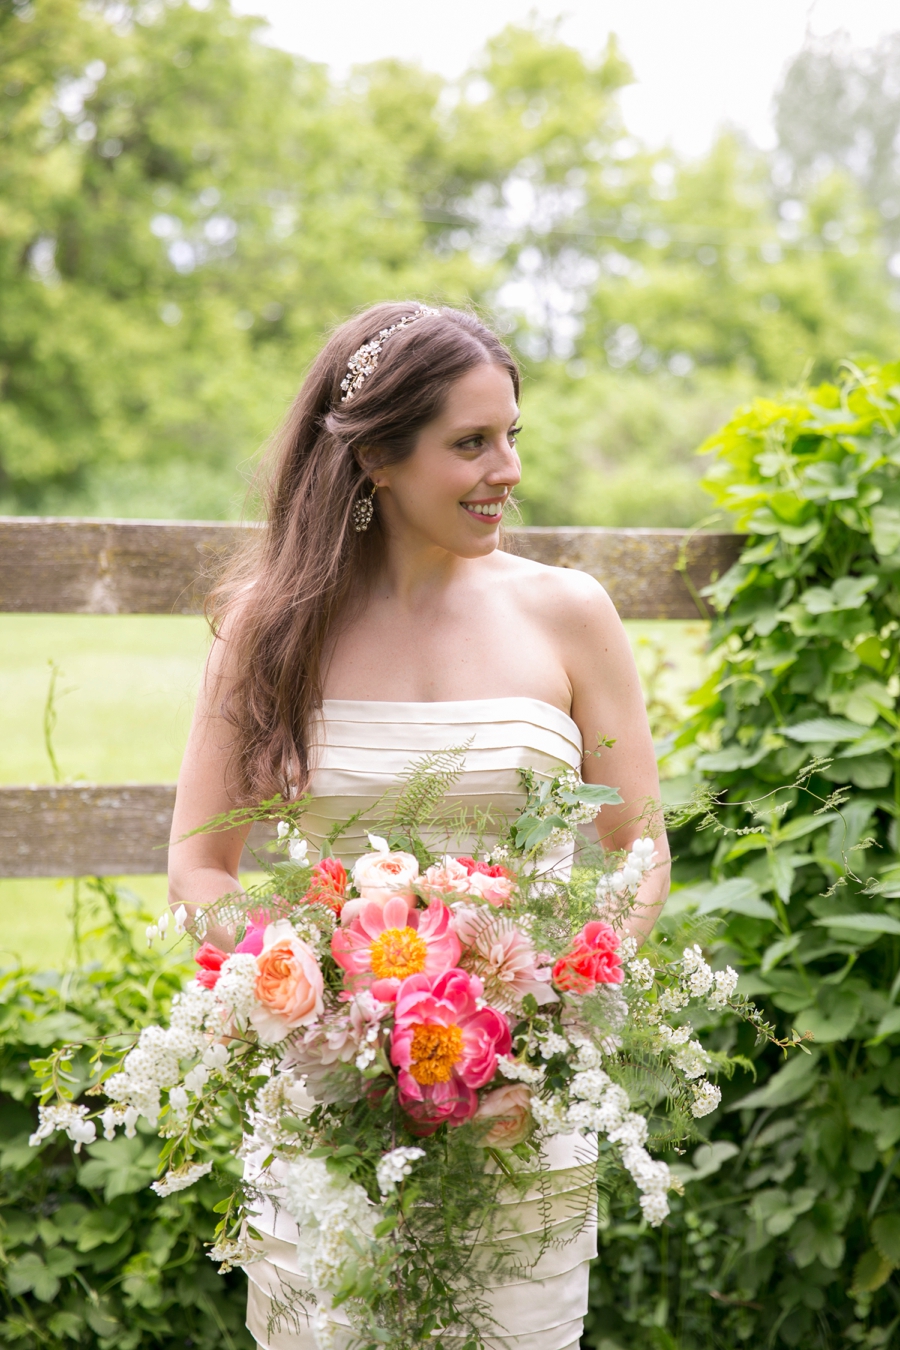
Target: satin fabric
column 361, row 751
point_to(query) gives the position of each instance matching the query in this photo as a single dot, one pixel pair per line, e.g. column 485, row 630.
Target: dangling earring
column 363, row 512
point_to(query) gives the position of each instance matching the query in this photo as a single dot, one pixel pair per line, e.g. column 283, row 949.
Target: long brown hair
column 286, row 589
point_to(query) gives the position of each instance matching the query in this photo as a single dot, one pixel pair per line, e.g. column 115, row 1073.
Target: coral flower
column 327, row 885
column 489, row 881
column 210, row 960
column 289, row 985
column 593, row 959
column 445, row 1047
column 386, row 944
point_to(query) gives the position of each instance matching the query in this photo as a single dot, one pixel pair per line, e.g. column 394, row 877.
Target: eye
column 513, row 434
column 471, row 443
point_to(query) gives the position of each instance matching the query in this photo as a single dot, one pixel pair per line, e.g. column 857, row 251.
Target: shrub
column 789, row 1232
column 88, row 1255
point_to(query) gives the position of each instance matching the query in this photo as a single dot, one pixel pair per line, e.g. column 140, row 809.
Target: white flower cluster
column 64, row 1116
column 624, row 882
column 641, row 974
column 235, row 990
column 602, row 1106
column 280, row 1095
column 326, row 1209
column 520, row 1073
column 396, row 1167
column 698, row 980
column 706, row 1098
column 551, row 1044
column 180, row 1178
column 296, row 846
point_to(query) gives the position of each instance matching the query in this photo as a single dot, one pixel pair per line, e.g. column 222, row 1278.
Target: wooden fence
column 64, row 566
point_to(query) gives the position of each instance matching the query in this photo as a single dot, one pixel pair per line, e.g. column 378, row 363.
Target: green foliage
column 185, row 211
column 789, row 1232
column 88, row 1255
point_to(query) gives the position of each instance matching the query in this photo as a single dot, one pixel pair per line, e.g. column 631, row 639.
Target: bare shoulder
column 558, row 596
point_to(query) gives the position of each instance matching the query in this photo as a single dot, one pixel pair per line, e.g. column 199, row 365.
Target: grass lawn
column 125, row 688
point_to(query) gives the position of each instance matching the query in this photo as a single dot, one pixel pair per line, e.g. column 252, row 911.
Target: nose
column 505, row 469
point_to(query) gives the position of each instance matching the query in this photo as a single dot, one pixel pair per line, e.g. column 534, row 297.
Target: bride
column 376, row 619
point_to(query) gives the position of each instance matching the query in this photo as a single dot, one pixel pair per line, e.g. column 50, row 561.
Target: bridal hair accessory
column 364, row 360
column 363, row 511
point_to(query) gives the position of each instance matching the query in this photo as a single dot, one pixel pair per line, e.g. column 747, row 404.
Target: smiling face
column 451, row 490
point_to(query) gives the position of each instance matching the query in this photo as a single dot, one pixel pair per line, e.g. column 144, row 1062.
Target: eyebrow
column 468, row 430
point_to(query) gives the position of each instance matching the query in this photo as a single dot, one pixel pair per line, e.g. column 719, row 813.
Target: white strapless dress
column 363, row 749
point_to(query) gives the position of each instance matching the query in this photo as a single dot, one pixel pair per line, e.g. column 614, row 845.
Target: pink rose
column 507, row 1113
column 289, row 984
column 494, row 890
column 448, row 877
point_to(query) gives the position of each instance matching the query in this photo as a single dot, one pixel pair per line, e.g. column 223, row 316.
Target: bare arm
column 204, row 867
column 607, row 703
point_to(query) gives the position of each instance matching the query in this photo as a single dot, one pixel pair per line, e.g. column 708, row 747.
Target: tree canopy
column 185, row 211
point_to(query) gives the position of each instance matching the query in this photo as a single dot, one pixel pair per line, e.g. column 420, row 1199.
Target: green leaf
column 801, row 826
column 28, row 1274
column 871, row 1272
column 835, row 1020
column 789, row 1084
column 886, row 1236
column 860, row 923
column 121, row 1166
column 889, row 1024
column 738, row 895
column 825, row 729
column 778, row 950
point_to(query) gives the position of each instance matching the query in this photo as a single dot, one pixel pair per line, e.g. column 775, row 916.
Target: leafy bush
column 88, row 1254
column 789, row 1232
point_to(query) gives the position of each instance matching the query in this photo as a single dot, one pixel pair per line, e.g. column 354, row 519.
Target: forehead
column 481, row 397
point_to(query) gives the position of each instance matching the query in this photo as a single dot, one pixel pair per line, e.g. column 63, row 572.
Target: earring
column 363, row 511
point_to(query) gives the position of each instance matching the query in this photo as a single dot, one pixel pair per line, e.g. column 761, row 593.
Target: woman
column 377, row 619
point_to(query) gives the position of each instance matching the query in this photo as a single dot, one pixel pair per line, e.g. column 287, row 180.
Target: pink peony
column 502, row 957
column 289, row 984
column 592, row 959
column 507, row 1113
column 385, row 945
column 444, row 1046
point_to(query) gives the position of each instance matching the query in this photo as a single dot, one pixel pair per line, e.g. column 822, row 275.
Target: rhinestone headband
column 364, row 361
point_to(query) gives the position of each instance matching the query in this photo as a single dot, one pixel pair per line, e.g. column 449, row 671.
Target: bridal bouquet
column 398, row 1038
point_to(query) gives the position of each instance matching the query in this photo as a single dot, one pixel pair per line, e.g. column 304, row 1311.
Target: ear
column 367, row 459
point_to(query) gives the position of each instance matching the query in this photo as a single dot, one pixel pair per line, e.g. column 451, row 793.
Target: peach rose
column 289, row 984
column 378, row 875
column 448, row 877
column 507, row 1110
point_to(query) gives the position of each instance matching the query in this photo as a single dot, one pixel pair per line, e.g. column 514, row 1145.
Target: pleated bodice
column 361, row 750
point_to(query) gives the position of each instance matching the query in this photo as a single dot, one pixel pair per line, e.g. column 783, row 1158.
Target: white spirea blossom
column 235, row 990
column 692, row 1060
column 589, row 1085
column 551, row 1044
column 726, row 982
column 520, row 1073
column 550, row 1115
column 231, row 1252
column 706, row 1098
column 395, row 1167
column 696, row 976
column 641, row 974
column 180, row 1178
column 326, row 1209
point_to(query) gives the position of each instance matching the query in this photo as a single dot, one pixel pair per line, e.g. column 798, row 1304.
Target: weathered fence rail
column 65, row 566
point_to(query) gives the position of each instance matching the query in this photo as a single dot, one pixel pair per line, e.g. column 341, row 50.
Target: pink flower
column 493, row 889
column 593, row 959
column 507, row 1113
column 253, row 939
column 448, row 877
column 444, row 1046
column 335, row 1040
column 289, row 984
column 210, row 960
column 502, row 957
column 385, row 945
